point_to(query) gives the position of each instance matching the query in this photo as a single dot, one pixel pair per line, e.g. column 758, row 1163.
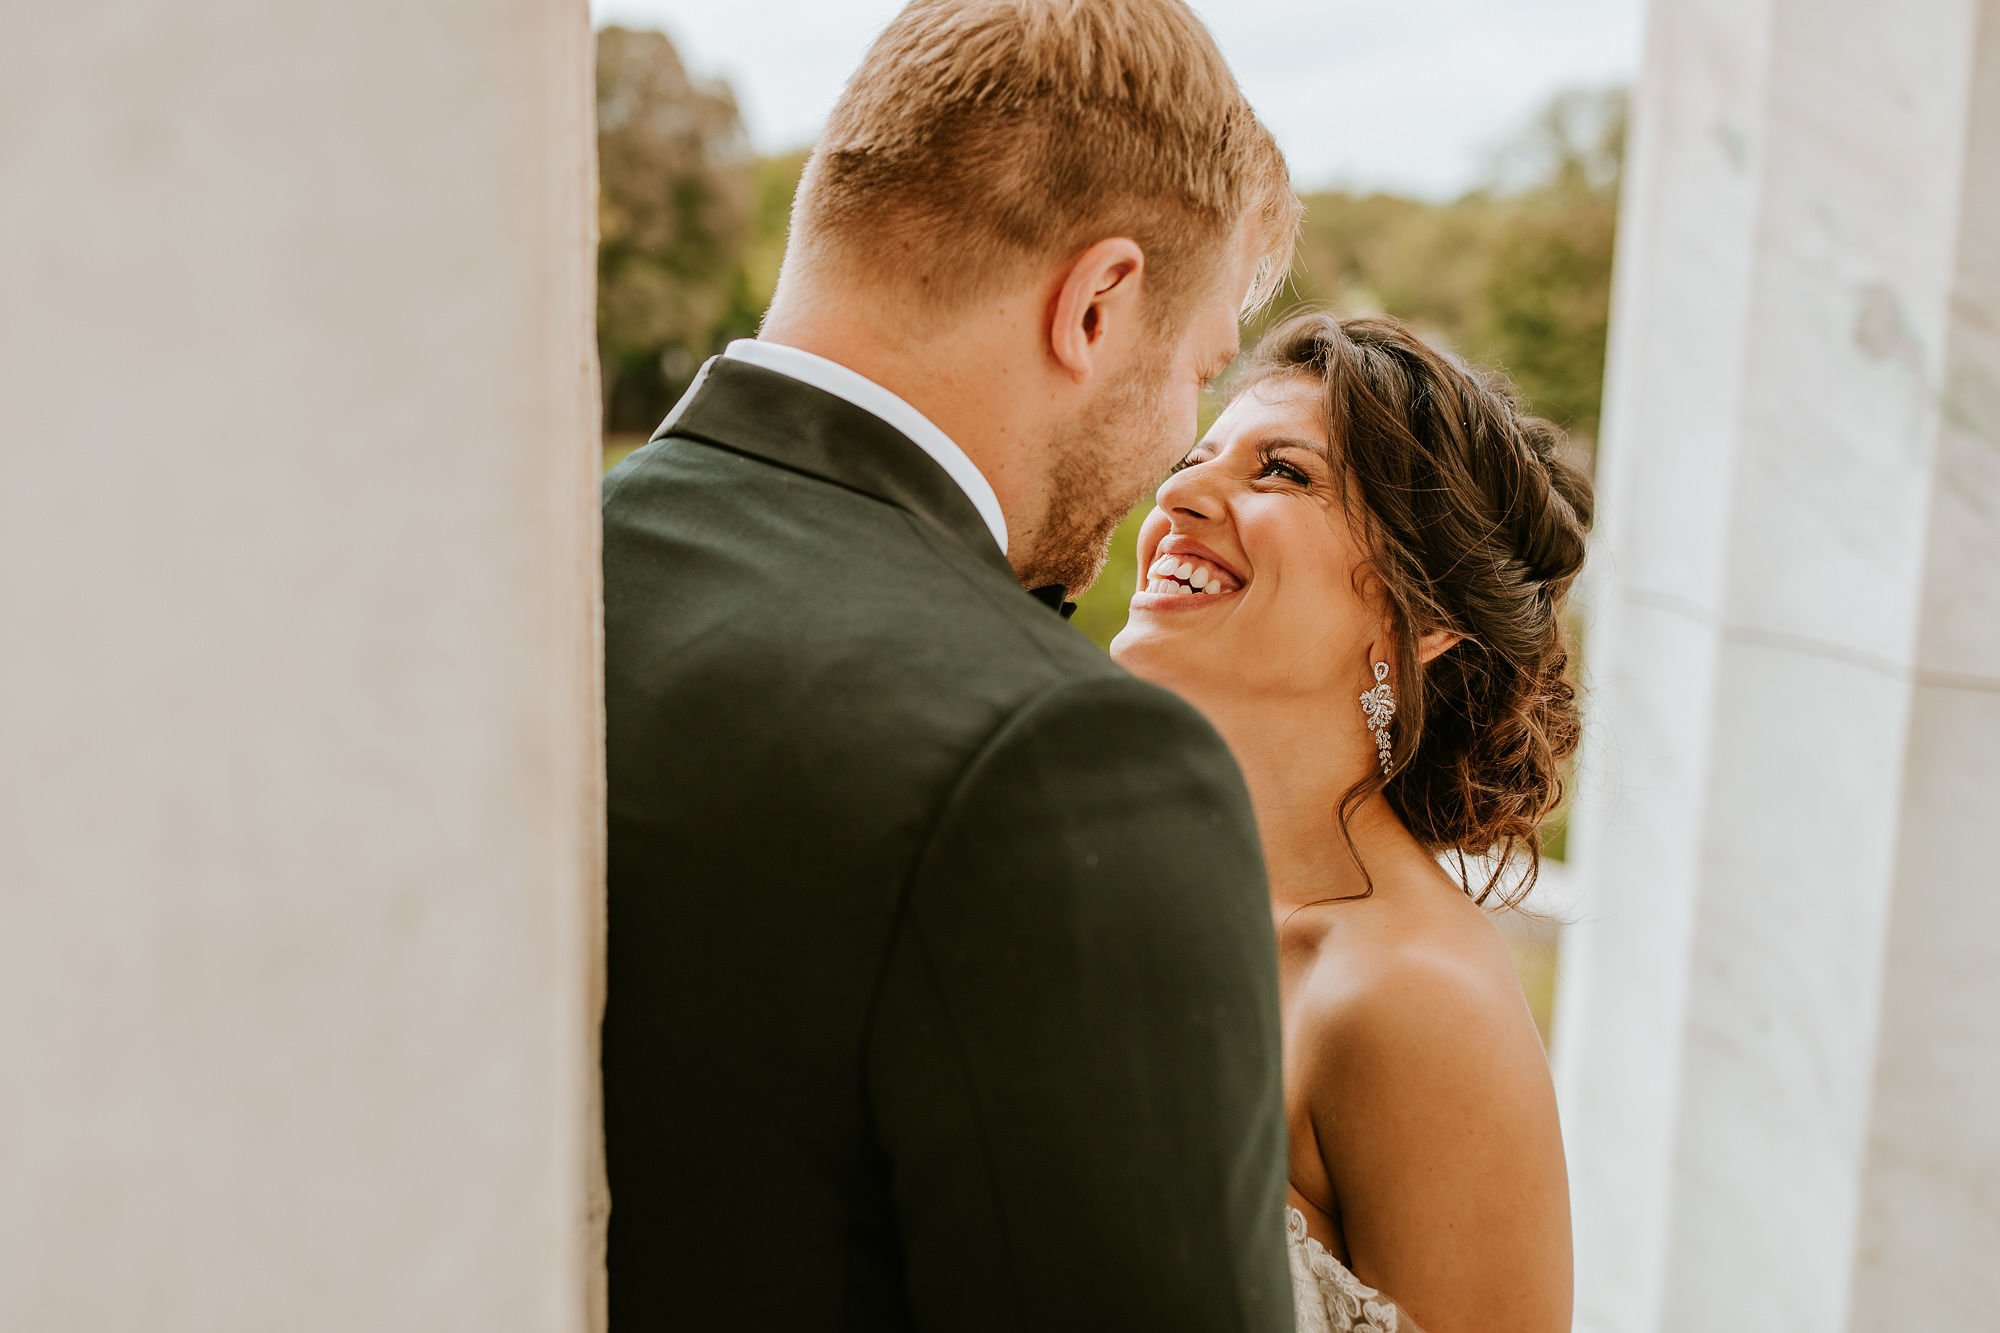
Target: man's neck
column 960, row 385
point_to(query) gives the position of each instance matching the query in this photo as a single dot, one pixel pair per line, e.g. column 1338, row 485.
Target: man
column 941, row 978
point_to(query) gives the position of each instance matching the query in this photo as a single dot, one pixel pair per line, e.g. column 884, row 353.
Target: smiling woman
column 1358, row 576
column 1389, row 505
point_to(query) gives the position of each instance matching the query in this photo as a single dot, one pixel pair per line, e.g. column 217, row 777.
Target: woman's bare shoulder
column 1419, row 973
column 1434, row 1115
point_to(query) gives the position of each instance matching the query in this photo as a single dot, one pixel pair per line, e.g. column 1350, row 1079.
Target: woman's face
column 1256, row 513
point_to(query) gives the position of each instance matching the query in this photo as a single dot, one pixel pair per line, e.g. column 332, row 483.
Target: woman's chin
column 1155, row 659
column 1118, row 648
column 1145, row 650
column 1128, row 648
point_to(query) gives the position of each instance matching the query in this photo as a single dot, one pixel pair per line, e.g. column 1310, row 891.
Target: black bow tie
column 1051, row 596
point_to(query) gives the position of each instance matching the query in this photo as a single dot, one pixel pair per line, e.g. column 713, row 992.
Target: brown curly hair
column 1475, row 525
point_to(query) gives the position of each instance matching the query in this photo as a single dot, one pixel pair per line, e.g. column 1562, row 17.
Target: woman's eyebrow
column 1286, row 442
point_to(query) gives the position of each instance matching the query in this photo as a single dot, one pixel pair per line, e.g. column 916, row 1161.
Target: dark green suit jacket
column 942, row 989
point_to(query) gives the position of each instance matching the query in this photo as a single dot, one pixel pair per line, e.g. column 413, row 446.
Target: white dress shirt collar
column 836, row 379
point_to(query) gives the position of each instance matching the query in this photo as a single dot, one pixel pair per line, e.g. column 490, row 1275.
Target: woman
column 1359, row 576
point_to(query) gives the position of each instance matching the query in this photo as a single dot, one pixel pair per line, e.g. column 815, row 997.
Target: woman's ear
column 1098, row 291
column 1436, row 643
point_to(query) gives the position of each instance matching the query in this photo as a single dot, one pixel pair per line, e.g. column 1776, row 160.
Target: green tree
column 1547, row 292
column 1546, row 306
column 677, row 184
column 1516, row 274
column 1575, row 145
column 777, row 181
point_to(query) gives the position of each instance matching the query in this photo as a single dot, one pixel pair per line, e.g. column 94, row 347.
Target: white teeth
column 1170, row 574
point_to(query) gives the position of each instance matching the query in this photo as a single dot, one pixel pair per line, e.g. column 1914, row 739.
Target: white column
column 1930, row 1192
column 1798, row 281
column 1657, row 581
column 299, row 793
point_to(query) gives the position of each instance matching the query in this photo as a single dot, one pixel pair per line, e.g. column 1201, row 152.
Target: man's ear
column 1098, row 296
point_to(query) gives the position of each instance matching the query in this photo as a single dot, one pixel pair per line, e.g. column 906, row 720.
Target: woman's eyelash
column 1270, row 463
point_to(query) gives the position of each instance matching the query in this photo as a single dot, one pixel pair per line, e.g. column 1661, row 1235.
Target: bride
column 1359, row 577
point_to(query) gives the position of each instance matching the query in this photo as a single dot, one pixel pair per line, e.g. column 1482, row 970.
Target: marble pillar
column 299, row 721
column 1930, row 1193
column 1780, row 1007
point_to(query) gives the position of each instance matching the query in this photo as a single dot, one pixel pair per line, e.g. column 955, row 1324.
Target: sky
column 1410, row 96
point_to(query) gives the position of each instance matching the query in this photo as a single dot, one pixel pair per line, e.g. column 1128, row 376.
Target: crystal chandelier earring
column 1379, row 706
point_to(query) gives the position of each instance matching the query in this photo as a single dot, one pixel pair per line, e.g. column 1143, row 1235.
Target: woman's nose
column 1190, row 492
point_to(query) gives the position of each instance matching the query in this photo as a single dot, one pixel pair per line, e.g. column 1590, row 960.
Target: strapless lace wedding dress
column 1325, row 1296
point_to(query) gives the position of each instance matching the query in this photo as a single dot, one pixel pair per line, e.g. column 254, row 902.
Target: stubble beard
column 1091, row 494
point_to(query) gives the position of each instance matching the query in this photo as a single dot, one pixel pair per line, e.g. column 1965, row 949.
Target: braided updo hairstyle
column 1474, row 524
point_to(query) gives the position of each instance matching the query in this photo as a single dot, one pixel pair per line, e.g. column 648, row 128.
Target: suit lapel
column 673, row 416
column 761, row 414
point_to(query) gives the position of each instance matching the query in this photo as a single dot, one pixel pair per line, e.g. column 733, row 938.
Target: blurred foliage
column 777, row 181
column 1514, row 275
column 1100, row 613
column 677, row 189
column 1575, row 145
column 1518, row 283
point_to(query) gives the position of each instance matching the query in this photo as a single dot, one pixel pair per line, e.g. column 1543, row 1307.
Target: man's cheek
column 1182, row 425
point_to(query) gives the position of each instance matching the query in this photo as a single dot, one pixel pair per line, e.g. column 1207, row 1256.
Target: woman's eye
column 1183, row 465
column 1276, row 468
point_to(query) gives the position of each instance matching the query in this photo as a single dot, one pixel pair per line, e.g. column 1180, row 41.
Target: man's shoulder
column 736, row 586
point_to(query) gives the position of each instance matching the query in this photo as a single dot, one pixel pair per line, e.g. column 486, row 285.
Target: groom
column 941, row 975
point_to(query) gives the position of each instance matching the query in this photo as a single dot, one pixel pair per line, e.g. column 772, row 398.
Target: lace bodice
column 1325, row 1296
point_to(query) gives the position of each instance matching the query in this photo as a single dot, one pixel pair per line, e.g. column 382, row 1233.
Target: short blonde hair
column 1010, row 132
